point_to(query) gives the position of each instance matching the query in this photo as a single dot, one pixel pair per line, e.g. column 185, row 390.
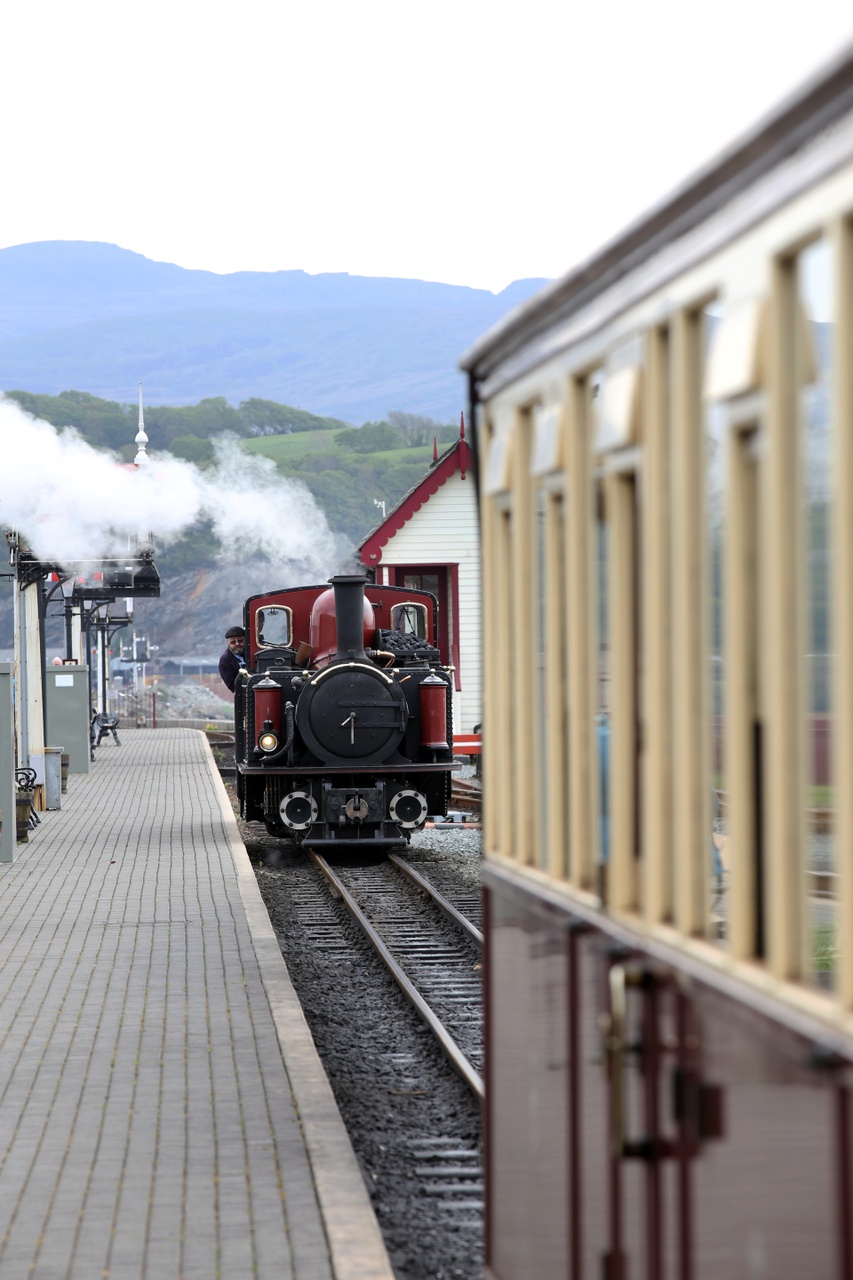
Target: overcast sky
column 456, row 140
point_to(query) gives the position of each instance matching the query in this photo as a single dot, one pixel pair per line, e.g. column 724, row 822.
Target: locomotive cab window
column 410, row 619
column 274, row 627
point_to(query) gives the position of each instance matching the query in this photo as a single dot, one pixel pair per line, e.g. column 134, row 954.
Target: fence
column 143, row 711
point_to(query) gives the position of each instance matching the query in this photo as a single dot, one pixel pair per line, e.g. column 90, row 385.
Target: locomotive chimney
column 349, row 617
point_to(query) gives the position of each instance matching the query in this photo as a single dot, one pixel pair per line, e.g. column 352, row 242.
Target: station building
column 431, row 541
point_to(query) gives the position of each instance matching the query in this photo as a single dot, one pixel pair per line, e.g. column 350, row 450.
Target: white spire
column 141, row 459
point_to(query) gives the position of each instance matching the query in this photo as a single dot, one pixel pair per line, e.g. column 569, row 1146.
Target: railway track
column 414, row 1122
column 439, row 974
column 466, row 796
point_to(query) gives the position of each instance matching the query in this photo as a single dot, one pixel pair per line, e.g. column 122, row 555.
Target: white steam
column 72, row 502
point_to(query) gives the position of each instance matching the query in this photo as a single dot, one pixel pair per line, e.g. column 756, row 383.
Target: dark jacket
column 229, row 664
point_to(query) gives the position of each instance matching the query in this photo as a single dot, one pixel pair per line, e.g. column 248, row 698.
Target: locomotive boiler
column 343, row 714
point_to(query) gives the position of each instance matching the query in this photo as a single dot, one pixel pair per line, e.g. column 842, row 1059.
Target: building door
column 440, row 580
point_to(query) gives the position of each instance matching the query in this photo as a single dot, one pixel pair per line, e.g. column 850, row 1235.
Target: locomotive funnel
column 349, row 617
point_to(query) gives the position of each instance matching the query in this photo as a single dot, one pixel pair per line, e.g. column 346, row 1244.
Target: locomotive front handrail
column 350, row 666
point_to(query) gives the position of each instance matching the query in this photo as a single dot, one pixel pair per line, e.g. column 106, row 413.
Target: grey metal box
column 7, row 765
column 67, row 703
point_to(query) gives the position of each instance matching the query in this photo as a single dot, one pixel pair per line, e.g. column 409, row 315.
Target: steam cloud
column 72, row 503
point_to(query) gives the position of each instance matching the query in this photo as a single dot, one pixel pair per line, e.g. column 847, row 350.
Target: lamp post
column 67, row 586
column 103, row 661
column 89, row 610
column 112, row 625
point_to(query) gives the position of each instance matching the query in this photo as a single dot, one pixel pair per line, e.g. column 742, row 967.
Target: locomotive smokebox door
column 352, row 712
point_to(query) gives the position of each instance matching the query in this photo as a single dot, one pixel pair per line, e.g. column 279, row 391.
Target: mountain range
column 95, row 317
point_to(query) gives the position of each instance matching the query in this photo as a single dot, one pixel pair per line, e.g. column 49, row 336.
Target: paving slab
column 163, row 1111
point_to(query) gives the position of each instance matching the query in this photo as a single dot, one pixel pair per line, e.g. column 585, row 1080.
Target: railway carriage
column 343, row 714
column 665, row 452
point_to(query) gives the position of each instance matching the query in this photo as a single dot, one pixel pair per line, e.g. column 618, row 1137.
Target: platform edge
column 357, row 1250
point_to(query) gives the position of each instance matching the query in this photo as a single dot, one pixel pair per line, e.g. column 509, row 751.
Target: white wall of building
column 445, row 531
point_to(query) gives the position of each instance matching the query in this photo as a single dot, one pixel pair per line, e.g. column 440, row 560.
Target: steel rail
column 470, row 930
column 451, row 1049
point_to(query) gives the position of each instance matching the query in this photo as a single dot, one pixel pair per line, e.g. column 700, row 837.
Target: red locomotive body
column 330, row 714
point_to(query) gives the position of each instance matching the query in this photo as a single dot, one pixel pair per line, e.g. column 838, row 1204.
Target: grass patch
column 824, row 948
column 284, row 449
column 302, row 444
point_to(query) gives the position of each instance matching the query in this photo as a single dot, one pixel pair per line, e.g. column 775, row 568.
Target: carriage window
column 541, row 570
column 715, row 488
column 617, row 722
column 553, row 690
column 410, row 619
column 602, row 705
column 814, row 272
column 273, row 627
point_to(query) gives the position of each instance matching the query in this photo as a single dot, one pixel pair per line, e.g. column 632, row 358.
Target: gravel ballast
column 414, row 1125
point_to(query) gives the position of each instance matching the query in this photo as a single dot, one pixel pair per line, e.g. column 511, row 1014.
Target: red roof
column 457, row 458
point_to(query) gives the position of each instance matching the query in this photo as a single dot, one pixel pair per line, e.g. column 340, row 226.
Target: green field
column 292, row 448
column 284, row 449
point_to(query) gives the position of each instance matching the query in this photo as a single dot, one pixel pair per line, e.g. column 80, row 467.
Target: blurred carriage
column 665, row 444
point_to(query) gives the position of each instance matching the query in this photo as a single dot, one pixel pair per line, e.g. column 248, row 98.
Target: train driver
column 232, row 659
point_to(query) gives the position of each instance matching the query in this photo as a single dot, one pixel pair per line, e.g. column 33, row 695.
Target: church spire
column 141, row 459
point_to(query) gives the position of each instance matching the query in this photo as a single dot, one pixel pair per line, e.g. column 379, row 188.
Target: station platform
column 163, row 1111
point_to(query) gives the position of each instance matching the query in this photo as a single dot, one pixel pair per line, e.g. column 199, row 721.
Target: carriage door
column 662, row 1112
column 654, row 650
column 630, row 1227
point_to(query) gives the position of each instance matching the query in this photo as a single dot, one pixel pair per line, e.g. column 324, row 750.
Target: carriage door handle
column 615, row 1048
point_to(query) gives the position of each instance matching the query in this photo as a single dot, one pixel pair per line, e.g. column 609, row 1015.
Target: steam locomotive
column 343, row 714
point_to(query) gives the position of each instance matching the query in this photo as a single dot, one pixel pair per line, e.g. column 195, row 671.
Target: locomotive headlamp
column 268, row 737
column 266, row 694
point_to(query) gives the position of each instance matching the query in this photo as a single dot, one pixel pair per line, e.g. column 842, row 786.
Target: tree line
column 344, row 482
column 187, row 431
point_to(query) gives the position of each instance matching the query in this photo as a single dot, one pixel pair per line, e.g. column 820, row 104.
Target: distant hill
column 81, row 314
